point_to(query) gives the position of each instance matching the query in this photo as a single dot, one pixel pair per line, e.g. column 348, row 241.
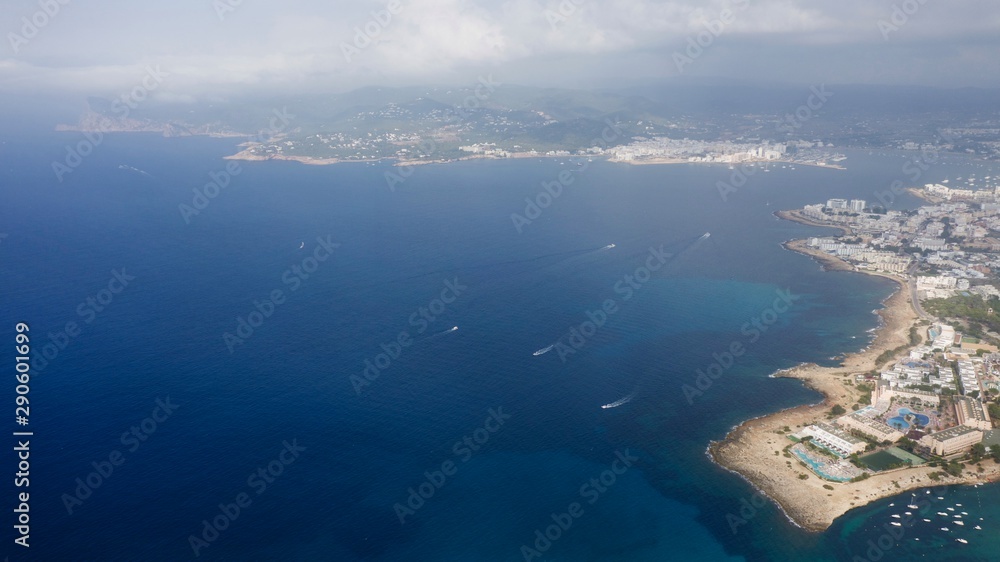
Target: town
column 934, row 402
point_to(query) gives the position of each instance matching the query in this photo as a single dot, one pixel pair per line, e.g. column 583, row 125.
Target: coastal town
column 921, row 406
column 664, row 150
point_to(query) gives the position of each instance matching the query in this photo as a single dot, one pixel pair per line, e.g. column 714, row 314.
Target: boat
column 927, row 520
column 302, row 245
column 896, row 524
column 951, row 509
column 544, row 350
column 942, row 514
column 960, row 523
column 911, row 506
column 978, row 528
column 944, row 528
column 617, row 403
column 963, row 541
column 895, row 516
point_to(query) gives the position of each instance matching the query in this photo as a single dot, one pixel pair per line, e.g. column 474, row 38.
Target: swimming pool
column 899, row 422
column 815, row 466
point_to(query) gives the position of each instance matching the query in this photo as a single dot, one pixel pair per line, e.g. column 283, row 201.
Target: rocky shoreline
column 754, row 449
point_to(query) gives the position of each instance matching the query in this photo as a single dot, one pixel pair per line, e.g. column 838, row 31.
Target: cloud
column 301, row 43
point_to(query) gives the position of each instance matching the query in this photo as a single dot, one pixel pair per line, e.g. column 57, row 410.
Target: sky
column 207, row 48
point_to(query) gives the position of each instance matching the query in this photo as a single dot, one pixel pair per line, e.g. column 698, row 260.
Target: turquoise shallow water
column 292, row 378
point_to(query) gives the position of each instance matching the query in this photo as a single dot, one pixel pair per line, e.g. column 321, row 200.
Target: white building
column 834, row 438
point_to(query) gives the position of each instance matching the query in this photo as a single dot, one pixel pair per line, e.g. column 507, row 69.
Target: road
column 911, row 273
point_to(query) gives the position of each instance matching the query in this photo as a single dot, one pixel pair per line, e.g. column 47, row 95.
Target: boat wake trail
column 134, row 169
column 621, row 402
column 544, row 350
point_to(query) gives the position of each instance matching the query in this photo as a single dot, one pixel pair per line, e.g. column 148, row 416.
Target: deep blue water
column 291, row 380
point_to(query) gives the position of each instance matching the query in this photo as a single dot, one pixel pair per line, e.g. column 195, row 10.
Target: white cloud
column 298, row 43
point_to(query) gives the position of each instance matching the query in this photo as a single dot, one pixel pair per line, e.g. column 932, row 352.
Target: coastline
column 754, row 448
column 316, row 161
column 665, row 161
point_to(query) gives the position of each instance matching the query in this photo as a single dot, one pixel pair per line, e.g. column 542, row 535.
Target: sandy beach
column 754, row 448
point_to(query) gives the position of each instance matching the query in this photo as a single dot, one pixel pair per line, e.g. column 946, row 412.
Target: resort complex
column 920, row 404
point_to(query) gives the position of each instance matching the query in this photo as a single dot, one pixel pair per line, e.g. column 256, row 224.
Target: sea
column 260, row 360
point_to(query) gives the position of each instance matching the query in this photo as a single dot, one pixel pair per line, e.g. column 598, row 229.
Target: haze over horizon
column 212, row 50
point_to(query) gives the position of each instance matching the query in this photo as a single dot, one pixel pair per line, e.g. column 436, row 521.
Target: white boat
column 958, row 505
column 978, row 528
column 944, row 528
column 896, row 524
column 895, row 516
column 303, row 245
column 617, row 403
column 959, row 523
column 907, row 513
column 911, row 506
column 942, row 514
column 927, row 520
column 963, row 541
column 545, row 350
column 951, row 509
